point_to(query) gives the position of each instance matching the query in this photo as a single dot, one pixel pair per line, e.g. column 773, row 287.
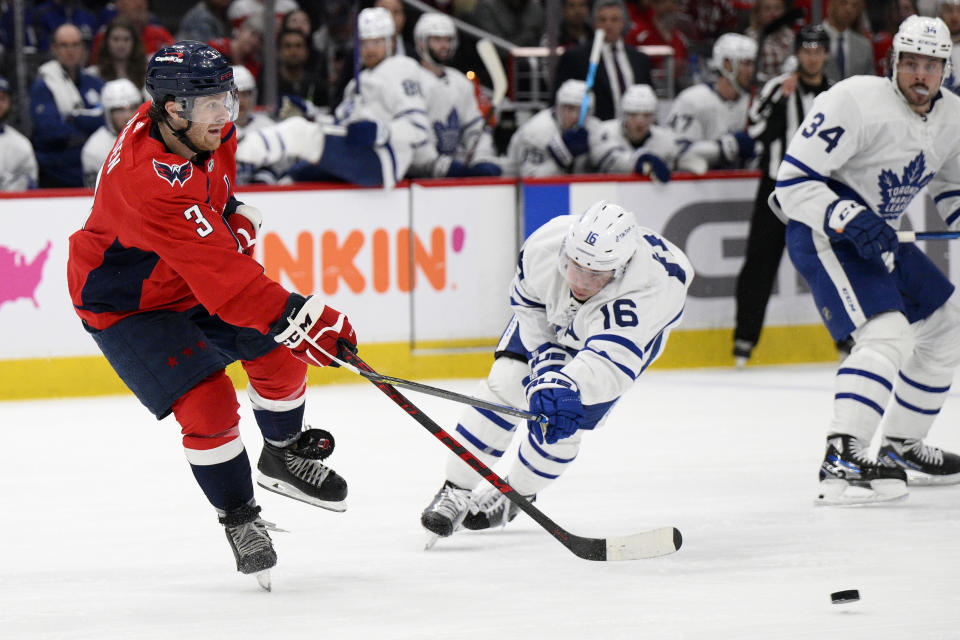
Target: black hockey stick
column 647, row 544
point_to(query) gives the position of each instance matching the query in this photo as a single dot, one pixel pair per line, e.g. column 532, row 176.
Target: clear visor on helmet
column 218, row 108
column 584, row 283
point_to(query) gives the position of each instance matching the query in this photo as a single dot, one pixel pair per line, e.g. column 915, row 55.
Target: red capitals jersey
column 156, row 238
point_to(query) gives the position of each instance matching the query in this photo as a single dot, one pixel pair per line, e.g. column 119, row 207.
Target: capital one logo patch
column 173, row 173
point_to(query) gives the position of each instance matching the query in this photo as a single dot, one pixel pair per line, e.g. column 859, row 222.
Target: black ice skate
column 742, row 349
column 924, row 465
column 252, row 547
column 446, row 512
column 849, row 477
column 493, row 509
column 296, row 471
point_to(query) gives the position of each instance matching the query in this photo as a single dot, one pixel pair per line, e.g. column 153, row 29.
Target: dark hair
column 136, row 63
column 296, row 32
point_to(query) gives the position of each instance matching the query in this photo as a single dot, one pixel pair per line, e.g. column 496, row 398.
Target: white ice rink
column 105, row 534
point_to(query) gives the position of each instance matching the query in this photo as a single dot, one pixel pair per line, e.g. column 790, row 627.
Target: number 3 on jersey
column 831, row 135
column 204, row 228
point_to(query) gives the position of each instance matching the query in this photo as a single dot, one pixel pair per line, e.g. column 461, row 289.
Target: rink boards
column 422, row 270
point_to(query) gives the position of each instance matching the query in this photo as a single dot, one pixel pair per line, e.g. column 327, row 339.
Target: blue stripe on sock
column 858, row 398
column 907, row 405
column 866, row 374
column 534, row 469
column 923, row 387
column 479, row 444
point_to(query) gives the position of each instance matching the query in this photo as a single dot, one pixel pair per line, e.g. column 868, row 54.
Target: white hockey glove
column 245, row 224
column 546, row 358
column 312, row 330
column 556, row 396
column 293, row 138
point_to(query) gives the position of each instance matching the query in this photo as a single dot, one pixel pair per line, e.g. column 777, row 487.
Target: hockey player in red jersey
column 162, row 277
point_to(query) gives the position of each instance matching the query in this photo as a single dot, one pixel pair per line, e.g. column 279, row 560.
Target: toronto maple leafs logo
column 448, row 134
column 174, row 173
column 897, row 192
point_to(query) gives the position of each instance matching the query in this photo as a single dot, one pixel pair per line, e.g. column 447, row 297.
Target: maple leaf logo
column 898, row 191
column 448, row 135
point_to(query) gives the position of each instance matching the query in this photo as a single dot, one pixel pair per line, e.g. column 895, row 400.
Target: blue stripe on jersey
column 527, row 464
column 923, row 387
column 409, row 111
column 866, row 374
column 620, row 340
column 479, row 444
column 841, row 189
column 506, row 425
column 526, row 302
column 946, row 194
column 660, row 333
column 858, row 398
column 907, row 405
column 626, row 370
column 950, row 219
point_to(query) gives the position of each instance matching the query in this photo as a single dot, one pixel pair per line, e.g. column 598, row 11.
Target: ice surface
column 105, row 534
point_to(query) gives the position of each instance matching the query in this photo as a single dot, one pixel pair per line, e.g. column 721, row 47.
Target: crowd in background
column 87, row 60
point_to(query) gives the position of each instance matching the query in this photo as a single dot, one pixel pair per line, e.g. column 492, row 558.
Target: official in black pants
column 774, row 117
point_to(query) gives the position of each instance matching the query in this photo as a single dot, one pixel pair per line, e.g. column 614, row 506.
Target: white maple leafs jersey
column 529, row 150
column 861, row 141
column 18, row 164
column 699, row 113
column 392, row 96
column 94, row 153
column 619, row 331
column 612, row 152
column 455, row 118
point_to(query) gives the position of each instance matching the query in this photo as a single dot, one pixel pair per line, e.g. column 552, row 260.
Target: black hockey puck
column 842, row 597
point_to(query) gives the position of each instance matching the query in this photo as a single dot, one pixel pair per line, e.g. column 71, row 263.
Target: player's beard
column 205, row 137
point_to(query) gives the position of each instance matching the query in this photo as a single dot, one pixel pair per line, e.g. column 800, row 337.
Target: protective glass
column 219, row 108
column 583, row 282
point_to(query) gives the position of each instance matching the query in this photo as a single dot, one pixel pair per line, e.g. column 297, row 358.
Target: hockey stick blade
column 646, row 544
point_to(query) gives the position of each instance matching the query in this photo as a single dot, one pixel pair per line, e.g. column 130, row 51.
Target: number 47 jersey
column 861, row 141
column 619, row 331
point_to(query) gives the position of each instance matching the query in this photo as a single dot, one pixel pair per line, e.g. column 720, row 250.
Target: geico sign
column 392, row 259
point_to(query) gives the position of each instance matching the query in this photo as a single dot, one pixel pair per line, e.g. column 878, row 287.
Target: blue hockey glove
column 460, row 170
column 650, row 165
column 556, row 396
column 869, row 233
column 738, row 145
column 577, row 140
column 546, row 358
column 362, row 133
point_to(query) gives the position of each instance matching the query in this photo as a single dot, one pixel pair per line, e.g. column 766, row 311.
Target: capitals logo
column 898, row 191
column 174, row 173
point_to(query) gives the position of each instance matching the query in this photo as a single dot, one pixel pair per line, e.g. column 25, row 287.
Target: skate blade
column 918, row 479
column 431, row 540
column 289, row 491
column 263, row 579
column 840, row 494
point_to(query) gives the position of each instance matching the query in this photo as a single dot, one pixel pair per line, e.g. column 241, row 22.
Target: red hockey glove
column 311, row 329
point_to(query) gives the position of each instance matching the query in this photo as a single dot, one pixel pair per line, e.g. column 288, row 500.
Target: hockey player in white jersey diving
column 865, row 149
column 594, row 297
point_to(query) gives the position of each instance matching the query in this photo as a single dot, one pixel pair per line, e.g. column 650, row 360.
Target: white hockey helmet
column 639, row 98
column 434, row 24
column 571, row 92
column 375, row 22
column 734, row 47
column 926, row 36
column 604, row 238
column 120, row 93
column 244, row 79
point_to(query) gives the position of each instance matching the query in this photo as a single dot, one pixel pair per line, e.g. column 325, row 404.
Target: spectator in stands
column 551, row 143
column 884, row 20
column 771, row 27
column 949, row 12
column 18, row 165
column 659, row 27
column 710, row 19
column 401, row 45
column 296, row 77
column 65, row 105
column 299, row 20
column 245, row 46
column 241, row 10
column 620, row 66
column 519, row 21
column 851, row 53
column 248, row 121
column 575, row 27
column 120, row 99
column 634, row 144
column 712, row 116
column 121, row 54
column 45, row 19
column 153, row 35
column 205, row 21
